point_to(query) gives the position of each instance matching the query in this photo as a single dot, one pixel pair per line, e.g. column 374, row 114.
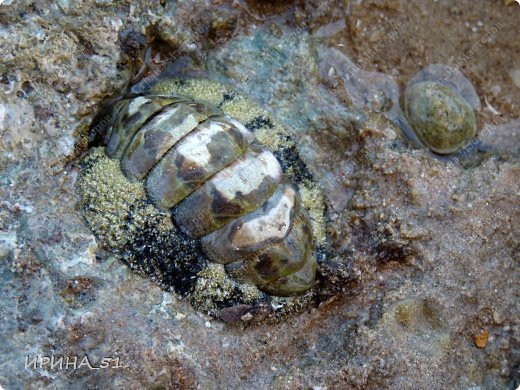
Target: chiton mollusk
column 230, row 199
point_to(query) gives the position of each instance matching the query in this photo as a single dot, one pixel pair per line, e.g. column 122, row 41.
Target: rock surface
column 425, row 251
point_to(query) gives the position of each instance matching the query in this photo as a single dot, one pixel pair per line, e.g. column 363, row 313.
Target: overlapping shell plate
column 203, row 191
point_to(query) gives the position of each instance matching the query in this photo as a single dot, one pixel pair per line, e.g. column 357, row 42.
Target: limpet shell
column 440, row 104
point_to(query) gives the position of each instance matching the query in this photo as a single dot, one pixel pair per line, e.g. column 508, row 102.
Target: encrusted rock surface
column 422, row 288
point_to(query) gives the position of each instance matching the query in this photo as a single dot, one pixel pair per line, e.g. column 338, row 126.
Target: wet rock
column 425, row 251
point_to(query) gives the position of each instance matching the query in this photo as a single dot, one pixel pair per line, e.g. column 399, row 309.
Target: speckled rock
column 407, row 230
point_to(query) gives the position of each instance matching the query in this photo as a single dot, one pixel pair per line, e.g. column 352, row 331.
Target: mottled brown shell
column 220, row 185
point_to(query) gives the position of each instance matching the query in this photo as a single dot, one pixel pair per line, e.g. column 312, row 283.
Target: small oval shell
column 439, row 104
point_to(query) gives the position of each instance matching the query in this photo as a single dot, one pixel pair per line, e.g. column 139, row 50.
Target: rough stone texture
column 426, row 251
